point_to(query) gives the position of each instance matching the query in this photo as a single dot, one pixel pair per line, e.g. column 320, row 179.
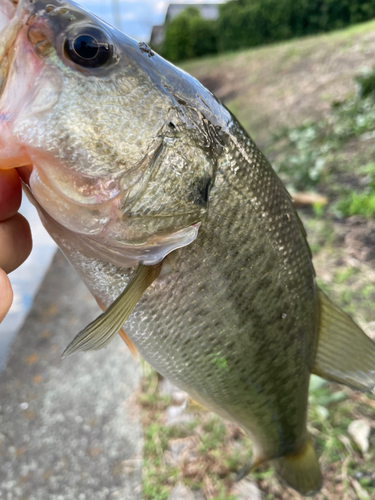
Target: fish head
column 121, row 153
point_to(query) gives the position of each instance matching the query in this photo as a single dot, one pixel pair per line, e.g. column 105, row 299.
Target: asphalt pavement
column 69, row 428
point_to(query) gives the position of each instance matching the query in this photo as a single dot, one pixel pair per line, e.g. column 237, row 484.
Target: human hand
column 15, row 235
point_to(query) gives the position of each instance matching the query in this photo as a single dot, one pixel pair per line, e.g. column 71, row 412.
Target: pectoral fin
column 345, row 353
column 101, row 331
column 125, row 338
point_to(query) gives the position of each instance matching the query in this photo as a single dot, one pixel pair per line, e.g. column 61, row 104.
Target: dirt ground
column 274, row 86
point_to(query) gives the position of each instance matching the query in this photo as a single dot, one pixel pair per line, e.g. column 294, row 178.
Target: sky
column 136, row 18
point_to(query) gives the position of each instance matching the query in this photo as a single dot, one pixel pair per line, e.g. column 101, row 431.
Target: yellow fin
column 345, row 353
column 300, row 470
column 129, row 343
column 193, row 405
column 101, row 331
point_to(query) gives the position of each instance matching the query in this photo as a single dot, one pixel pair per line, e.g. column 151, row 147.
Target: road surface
column 69, row 429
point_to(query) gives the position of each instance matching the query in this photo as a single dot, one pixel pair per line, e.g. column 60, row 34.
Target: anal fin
column 249, row 467
column 193, row 405
column 345, row 353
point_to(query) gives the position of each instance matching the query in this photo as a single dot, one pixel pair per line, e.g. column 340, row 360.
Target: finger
column 6, row 295
column 15, row 242
column 10, row 193
column 24, row 173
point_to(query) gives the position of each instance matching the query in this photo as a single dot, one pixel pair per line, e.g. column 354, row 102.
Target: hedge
column 249, row 23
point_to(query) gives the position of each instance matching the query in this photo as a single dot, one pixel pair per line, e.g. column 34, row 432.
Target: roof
column 209, row 11
column 157, row 35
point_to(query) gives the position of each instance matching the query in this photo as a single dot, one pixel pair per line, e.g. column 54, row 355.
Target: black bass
column 177, row 224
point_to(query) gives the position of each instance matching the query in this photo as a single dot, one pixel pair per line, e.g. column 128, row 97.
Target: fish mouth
column 21, row 34
column 11, row 22
column 92, row 217
column 8, row 36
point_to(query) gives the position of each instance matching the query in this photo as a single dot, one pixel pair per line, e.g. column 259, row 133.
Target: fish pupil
column 86, row 46
column 89, row 48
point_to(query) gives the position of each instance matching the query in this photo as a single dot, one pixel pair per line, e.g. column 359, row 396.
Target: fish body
column 133, row 162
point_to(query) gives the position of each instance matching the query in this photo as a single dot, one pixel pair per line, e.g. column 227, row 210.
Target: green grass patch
column 309, row 156
column 355, row 203
column 220, row 448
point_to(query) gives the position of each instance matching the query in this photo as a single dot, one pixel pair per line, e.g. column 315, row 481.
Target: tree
column 188, row 35
column 249, row 23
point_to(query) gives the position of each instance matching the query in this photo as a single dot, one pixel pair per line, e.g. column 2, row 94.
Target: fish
column 177, row 224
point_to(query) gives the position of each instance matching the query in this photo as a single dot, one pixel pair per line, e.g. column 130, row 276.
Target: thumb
column 6, row 294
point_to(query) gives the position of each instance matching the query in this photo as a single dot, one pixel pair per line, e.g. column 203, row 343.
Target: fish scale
column 241, row 313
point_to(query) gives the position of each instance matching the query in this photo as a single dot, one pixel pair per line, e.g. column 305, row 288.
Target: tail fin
column 300, row 470
column 345, row 353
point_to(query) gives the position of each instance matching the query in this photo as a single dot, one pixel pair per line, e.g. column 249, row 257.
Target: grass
column 211, row 459
column 213, row 450
column 355, row 203
column 309, row 156
column 310, row 106
column 290, row 48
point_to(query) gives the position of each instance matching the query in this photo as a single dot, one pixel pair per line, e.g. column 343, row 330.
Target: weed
column 343, row 274
column 354, row 203
column 310, row 155
column 366, row 83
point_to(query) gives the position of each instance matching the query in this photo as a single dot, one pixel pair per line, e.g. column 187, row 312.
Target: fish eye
column 90, row 47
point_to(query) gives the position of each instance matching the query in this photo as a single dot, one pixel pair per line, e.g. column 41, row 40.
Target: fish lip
column 8, row 38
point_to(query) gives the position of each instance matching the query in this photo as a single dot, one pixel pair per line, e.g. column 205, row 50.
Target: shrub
column 248, row 23
column 188, row 35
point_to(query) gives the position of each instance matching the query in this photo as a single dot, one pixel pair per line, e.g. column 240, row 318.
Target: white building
column 208, row 11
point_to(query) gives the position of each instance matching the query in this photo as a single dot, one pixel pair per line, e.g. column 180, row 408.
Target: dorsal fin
column 345, row 353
